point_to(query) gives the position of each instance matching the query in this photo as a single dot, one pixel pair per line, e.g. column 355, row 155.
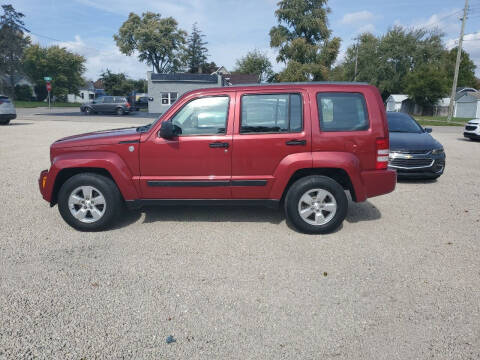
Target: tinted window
column 399, row 122
column 119, row 100
column 107, row 99
column 342, row 112
column 203, row 116
column 271, row 113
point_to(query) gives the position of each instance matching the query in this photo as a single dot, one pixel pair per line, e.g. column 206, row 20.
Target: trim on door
column 205, row 183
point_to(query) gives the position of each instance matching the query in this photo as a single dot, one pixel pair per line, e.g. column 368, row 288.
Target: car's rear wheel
column 120, row 111
column 89, row 202
column 88, row 111
column 316, row 204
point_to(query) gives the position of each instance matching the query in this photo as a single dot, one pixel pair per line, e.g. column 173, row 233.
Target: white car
column 472, row 129
column 7, row 110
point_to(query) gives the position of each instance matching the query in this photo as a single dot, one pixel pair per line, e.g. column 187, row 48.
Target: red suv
column 301, row 145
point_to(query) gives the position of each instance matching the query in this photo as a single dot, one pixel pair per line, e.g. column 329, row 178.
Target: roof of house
column 185, row 77
column 471, row 95
column 237, row 79
column 464, row 88
column 398, row 97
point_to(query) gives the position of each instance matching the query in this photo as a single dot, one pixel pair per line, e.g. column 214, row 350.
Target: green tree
column 303, row 40
column 208, row 68
column 426, row 84
column 196, row 53
column 116, row 84
column 140, row 85
column 23, row 92
column 12, row 45
column 466, row 73
column 255, row 62
column 64, row 67
column 158, row 41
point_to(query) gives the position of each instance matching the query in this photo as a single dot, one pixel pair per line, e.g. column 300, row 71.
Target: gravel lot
column 400, row 280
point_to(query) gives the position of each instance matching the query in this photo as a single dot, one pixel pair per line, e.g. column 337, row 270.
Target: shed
column 165, row 89
column 468, row 105
column 394, row 102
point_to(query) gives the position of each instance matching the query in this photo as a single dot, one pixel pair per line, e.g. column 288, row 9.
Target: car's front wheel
column 316, row 204
column 89, row 202
column 120, row 111
column 88, row 111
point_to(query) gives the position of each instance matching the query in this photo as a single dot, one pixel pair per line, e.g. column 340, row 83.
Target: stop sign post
column 49, row 88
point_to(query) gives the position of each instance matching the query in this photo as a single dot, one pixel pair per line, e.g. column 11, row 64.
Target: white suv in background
column 7, row 110
column 472, row 129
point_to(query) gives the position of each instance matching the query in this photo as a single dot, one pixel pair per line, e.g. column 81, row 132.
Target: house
column 395, row 101
column 165, row 89
column 467, row 105
column 84, row 96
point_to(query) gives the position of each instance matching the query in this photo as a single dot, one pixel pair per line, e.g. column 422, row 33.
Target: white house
column 84, row 96
column 468, row 105
column 394, row 102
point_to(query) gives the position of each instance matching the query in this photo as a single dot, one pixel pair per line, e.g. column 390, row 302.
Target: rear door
column 270, row 127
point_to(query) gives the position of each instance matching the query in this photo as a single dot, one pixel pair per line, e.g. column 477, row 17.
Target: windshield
column 399, row 122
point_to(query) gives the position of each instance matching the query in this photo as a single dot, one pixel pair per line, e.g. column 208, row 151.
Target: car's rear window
column 342, row 112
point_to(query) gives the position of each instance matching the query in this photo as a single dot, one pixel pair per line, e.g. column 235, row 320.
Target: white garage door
column 466, row 110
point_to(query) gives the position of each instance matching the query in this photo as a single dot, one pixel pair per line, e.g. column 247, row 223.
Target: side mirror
column 168, row 130
column 428, row 130
column 150, row 99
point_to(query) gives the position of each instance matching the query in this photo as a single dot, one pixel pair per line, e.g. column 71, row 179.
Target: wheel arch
column 338, row 174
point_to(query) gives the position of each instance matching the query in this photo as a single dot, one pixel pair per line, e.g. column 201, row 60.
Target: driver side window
column 203, row 116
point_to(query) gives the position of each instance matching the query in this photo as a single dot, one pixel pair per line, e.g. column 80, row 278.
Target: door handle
column 296, row 142
column 219, row 145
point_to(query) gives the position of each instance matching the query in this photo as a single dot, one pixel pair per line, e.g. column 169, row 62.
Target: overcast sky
column 232, row 27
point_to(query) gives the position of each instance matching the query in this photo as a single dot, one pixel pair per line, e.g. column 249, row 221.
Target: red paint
column 248, row 157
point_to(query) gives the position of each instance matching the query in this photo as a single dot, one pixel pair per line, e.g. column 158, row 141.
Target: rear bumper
column 378, row 182
column 5, row 117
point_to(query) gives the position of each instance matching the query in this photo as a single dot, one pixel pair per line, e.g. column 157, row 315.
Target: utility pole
column 457, row 64
column 356, row 62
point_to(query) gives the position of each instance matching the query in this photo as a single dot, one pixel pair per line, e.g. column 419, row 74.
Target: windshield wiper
column 143, row 128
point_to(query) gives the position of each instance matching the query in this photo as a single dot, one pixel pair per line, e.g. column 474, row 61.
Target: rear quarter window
column 342, row 112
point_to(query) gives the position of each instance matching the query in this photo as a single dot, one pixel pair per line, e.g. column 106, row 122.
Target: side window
column 342, row 112
column 107, row 99
column 169, row 98
column 203, row 116
column 271, row 113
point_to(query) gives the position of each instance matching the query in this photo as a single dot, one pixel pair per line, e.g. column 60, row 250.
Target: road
column 399, row 280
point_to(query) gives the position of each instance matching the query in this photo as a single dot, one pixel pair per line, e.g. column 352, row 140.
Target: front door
column 197, row 163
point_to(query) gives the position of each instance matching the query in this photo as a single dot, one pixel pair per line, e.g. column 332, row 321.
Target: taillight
column 382, row 146
column 128, row 104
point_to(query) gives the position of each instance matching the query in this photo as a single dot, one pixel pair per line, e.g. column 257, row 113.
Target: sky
column 232, row 27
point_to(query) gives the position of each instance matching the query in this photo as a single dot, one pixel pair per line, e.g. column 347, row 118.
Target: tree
column 116, row 84
column 208, row 68
column 23, row 92
column 196, row 53
column 466, row 73
column 303, row 40
column 64, row 67
column 12, row 44
column 255, row 62
column 426, row 84
column 158, row 41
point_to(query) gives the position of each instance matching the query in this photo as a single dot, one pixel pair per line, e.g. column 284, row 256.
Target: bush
column 41, row 92
column 23, row 92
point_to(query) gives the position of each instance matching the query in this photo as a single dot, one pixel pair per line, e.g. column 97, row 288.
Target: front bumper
column 471, row 135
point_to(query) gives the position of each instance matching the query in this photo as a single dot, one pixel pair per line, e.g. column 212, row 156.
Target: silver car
column 7, row 110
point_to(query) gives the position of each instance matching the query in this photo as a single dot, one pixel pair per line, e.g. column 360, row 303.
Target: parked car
column 414, row 153
column 107, row 104
column 7, row 110
column 299, row 145
column 472, row 129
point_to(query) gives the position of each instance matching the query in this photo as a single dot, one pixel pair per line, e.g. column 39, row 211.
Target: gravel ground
column 400, row 280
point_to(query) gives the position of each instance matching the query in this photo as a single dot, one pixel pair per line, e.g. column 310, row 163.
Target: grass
column 440, row 121
column 34, row 104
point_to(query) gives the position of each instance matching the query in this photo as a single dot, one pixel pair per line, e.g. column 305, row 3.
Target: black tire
column 5, row 122
column 301, row 187
column 114, row 203
column 119, row 111
column 88, row 111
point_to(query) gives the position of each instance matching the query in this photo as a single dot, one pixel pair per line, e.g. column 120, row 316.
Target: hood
column 474, row 122
column 104, row 137
column 413, row 141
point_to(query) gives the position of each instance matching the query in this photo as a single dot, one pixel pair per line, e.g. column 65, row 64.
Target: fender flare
column 108, row 161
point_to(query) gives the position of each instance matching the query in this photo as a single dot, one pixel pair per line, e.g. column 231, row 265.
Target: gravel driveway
column 400, row 280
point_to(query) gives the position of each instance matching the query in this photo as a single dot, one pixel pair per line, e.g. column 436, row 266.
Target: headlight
column 437, row 151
